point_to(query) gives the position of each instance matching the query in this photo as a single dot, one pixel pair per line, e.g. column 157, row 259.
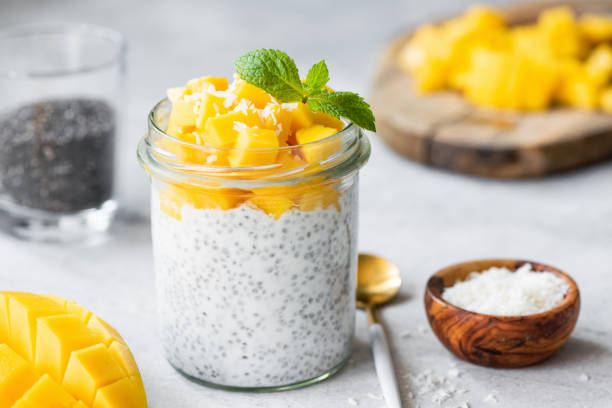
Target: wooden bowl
column 499, row 341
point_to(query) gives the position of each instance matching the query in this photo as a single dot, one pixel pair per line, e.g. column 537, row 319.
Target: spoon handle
column 384, row 366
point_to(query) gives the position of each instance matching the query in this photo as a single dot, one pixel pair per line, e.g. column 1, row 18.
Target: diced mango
column 77, row 310
column 122, row 354
column 57, row 337
column 279, row 120
column 273, row 205
column 319, row 197
column 219, row 198
column 255, row 95
column 16, row 376
column 598, row 65
column 171, row 204
column 561, row 29
column 183, row 114
column 254, row 147
column 321, row 150
column 46, row 393
column 68, row 355
column 302, row 117
column 605, row 100
column 24, row 309
column 104, row 330
column 123, row 393
column 210, row 106
column 4, row 318
column 202, row 84
column 326, row 120
column 596, row 27
column 175, row 94
column 90, row 369
column 222, row 130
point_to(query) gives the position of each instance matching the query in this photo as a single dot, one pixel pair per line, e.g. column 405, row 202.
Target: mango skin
column 46, row 357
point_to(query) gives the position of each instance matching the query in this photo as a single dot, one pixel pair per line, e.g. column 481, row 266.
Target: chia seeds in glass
column 57, row 155
column 58, row 125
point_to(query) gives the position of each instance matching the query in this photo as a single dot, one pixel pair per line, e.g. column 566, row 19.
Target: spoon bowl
column 378, row 280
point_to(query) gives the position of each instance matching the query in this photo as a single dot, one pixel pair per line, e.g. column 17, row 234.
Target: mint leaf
column 346, row 104
column 317, row 77
column 273, row 71
column 276, row 73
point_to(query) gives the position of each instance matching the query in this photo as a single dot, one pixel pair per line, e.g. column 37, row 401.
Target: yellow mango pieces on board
column 559, row 59
column 55, row 353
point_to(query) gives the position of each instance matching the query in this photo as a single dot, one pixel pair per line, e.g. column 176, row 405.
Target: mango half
column 54, row 353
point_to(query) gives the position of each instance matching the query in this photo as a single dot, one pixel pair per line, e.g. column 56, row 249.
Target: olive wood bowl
column 499, row 341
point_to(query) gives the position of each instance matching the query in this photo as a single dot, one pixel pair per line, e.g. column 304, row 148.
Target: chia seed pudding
column 246, row 300
column 57, row 155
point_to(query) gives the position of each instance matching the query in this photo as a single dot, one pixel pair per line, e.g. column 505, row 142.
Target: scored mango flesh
column 561, row 59
column 54, row 353
column 241, row 126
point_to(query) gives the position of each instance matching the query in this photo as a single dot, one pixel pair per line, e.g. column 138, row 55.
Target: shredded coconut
column 584, row 377
column 491, row 399
column 238, row 126
column 289, row 106
column 352, row 401
column 501, row 292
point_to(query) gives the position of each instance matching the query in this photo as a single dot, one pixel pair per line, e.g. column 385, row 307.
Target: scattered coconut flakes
column 238, row 126
column 375, row 396
column 440, row 396
column 453, row 372
column 490, row 398
column 290, row 106
column 585, row 377
column 461, row 391
column 464, row 404
column 352, row 401
column 422, row 329
column 406, row 334
column 243, row 106
column 211, row 159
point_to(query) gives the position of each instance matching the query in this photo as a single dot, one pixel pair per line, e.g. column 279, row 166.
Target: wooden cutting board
column 444, row 130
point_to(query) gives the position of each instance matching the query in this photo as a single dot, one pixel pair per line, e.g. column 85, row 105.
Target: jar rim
column 354, row 153
column 51, row 28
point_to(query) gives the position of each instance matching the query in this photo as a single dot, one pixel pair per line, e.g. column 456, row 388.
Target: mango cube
column 598, row 65
column 302, row 117
column 104, row 330
column 16, row 376
column 606, row 100
column 255, row 95
column 122, row 354
column 278, row 119
column 210, row 106
column 57, row 337
column 273, row 205
column 326, row 120
column 175, row 94
column 4, row 319
column 561, row 30
column 323, row 149
column 125, row 393
column 254, row 147
column 319, row 197
column 183, row 114
column 77, row 310
column 46, row 393
column 90, row 369
column 222, row 130
column 596, row 27
column 202, row 84
column 24, row 310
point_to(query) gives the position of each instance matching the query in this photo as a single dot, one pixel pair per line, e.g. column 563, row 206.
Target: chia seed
column 57, row 155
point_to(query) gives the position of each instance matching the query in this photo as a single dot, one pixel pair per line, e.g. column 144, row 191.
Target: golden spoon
column 378, row 281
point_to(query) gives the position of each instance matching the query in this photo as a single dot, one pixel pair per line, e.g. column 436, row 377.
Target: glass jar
column 255, row 267
column 58, row 122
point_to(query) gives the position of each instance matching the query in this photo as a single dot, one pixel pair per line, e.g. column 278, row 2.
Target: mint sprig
column 276, row 73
